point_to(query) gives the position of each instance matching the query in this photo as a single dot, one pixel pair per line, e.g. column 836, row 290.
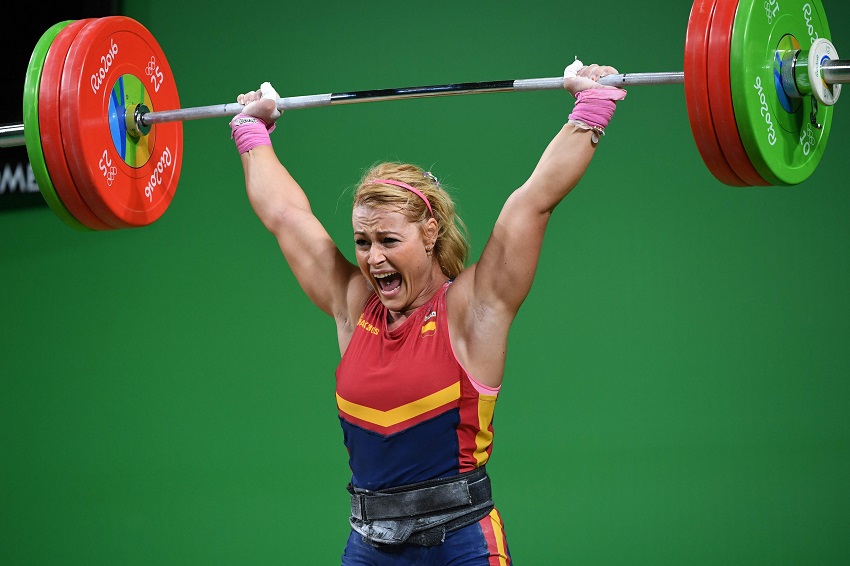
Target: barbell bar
column 332, row 99
column 12, row 135
column 756, row 76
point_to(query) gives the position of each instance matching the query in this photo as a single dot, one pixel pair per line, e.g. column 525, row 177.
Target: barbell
column 103, row 125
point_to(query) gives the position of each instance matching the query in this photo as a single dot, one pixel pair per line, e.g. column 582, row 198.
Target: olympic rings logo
column 770, row 10
column 156, row 75
column 109, row 170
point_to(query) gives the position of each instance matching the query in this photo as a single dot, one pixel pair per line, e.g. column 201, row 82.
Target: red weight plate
column 720, row 93
column 113, row 65
column 51, row 131
column 32, row 135
column 696, row 93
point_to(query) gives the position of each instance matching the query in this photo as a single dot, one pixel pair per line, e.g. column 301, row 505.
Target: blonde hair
column 452, row 246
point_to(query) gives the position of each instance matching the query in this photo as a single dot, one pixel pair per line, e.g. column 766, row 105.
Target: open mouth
column 388, row 282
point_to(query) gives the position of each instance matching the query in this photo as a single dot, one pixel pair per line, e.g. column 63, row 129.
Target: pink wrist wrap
column 595, row 106
column 249, row 132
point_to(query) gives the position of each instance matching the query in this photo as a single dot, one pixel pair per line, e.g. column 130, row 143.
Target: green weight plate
column 783, row 143
column 32, row 137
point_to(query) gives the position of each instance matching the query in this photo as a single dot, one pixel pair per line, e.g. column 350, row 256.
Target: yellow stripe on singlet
column 484, row 438
column 402, row 413
column 499, row 535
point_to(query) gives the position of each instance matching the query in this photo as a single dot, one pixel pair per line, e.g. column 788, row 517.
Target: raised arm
column 328, row 279
column 489, row 294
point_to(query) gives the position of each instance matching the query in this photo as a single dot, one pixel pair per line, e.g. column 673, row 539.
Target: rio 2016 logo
column 807, row 14
column 765, row 112
column 105, row 63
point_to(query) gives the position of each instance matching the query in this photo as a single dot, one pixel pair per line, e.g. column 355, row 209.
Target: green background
column 678, row 381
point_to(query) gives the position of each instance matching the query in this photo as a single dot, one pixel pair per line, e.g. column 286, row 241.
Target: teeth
column 383, row 275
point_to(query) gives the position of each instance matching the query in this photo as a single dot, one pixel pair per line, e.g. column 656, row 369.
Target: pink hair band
column 413, row 190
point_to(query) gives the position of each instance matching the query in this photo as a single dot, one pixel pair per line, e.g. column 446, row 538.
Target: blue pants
column 479, row 544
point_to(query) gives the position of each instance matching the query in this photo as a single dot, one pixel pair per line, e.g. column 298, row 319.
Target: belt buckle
column 362, row 502
column 358, row 506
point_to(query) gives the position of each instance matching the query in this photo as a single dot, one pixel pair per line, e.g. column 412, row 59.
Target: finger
column 249, row 97
column 598, row 72
column 591, row 71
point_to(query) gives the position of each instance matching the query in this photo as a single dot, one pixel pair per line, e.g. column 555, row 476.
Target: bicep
column 485, row 297
column 318, row 265
column 505, row 271
column 509, row 260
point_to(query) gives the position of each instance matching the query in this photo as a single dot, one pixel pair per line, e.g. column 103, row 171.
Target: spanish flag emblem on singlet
column 429, row 325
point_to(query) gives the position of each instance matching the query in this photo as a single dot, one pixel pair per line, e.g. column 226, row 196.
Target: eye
column 361, row 243
column 388, row 241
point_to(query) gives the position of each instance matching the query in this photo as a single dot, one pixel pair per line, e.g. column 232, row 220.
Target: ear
column 430, row 231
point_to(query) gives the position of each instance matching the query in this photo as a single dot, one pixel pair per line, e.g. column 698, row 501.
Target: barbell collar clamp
column 809, row 73
column 133, row 121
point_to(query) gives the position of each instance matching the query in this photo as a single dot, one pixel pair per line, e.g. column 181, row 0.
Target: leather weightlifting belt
column 420, row 513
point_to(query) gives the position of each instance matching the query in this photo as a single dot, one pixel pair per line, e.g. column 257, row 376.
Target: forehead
column 371, row 219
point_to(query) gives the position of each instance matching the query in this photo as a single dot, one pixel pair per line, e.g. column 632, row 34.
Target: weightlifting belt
column 420, row 513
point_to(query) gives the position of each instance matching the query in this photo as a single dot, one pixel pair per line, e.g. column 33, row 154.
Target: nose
column 376, row 256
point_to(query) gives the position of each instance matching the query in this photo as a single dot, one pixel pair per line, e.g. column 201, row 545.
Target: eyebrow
column 378, row 233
